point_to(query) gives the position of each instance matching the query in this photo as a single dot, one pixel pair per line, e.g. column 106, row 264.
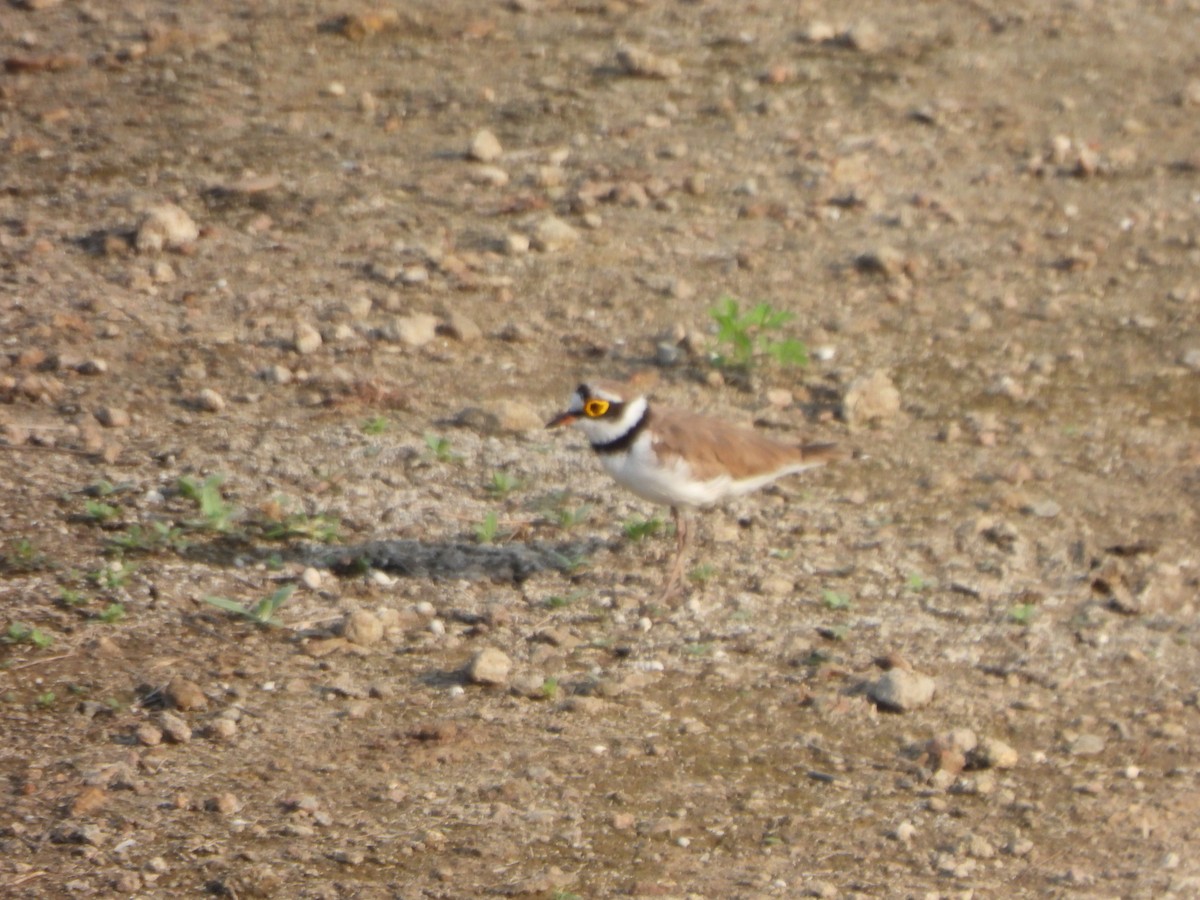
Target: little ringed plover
column 679, row 459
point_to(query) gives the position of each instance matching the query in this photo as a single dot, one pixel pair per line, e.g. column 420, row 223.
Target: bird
column 679, row 458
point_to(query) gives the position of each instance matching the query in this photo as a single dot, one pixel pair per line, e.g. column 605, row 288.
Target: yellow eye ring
column 595, row 408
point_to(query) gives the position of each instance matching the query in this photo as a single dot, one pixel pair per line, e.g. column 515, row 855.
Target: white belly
column 672, row 485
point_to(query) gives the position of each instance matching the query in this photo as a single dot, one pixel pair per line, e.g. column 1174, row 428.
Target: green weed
column 22, row 557
column 637, row 529
column 486, row 531
column 73, row 598
column 261, row 613
column 835, row 600
column 743, row 337
column 320, row 528
column 702, row 573
column 20, row 633
column 569, row 517
column 440, row 448
column 112, row 614
column 215, row 514
column 98, row 511
column 112, row 576
column 1023, row 614
column 502, row 484
column 375, row 425
column 158, row 536
column 559, row 601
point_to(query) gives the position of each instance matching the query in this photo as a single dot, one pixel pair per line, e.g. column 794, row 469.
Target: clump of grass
column 487, row 530
column 98, row 511
column 21, row 557
column 834, row 600
column 502, row 484
column 744, row 337
column 321, row 528
column 1023, row 614
column 261, row 613
column 375, row 425
column 21, row 633
column 440, row 448
column 637, row 529
column 702, row 573
column 112, row 614
column 113, row 576
column 569, row 517
column 158, row 536
column 561, row 601
column 72, row 598
column 215, row 514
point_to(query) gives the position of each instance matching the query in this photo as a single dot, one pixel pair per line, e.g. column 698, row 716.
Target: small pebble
column 644, row 64
column 209, row 400
column 900, row 690
column 552, row 234
column 363, row 627
column 484, row 147
column 165, row 226
column 175, row 728
column 871, row 399
column 1086, row 745
column 306, row 339
column 489, row 666
column 413, row 331
column 113, row 417
column 184, row 694
column 225, row 803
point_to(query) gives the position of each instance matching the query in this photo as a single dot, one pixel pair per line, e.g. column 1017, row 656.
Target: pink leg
column 682, row 534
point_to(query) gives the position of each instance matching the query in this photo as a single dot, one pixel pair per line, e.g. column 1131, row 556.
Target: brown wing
column 714, row 447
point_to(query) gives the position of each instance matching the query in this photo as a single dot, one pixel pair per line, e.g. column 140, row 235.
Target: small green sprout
column 320, row 528
column 835, row 600
column 112, row 576
column 486, row 531
column 22, row 557
column 745, row 335
column 71, row 597
column 1023, row 614
column 112, row 614
column 440, row 448
column 637, row 529
column 375, row 425
column 502, row 484
column 560, row 601
column 216, row 514
column 98, row 511
column 20, row 633
column 261, row 613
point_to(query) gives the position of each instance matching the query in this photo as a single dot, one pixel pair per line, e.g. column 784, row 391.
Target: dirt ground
column 287, row 290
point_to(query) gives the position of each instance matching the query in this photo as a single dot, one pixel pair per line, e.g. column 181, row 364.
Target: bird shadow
column 511, row 562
